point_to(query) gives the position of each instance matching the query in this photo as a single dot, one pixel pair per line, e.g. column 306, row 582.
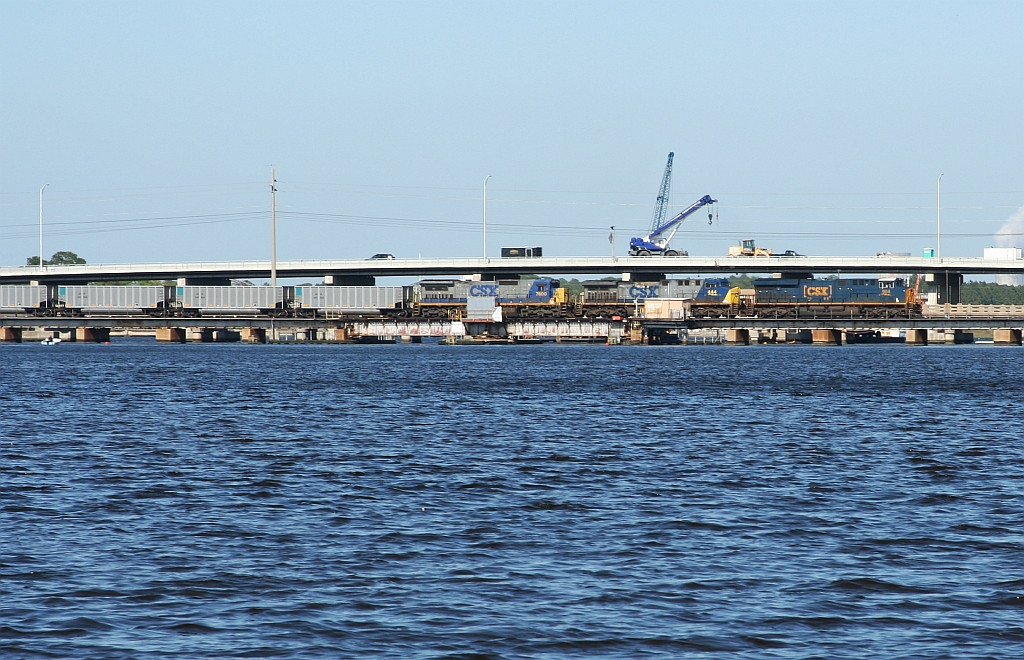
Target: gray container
column 249, row 299
column 112, row 299
column 22, row 296
column 352, row 299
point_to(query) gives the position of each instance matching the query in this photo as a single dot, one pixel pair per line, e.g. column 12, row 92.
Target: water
column 510, row 502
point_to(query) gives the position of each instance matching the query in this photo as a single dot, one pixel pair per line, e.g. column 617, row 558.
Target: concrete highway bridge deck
column 365, row 271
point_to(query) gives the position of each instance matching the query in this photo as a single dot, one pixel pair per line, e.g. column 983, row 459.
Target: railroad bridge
column 943, row 277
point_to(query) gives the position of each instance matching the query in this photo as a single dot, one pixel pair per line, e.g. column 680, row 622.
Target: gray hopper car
column 20, row 297
column 229, row 299
column 115, row 299
column 350, row 299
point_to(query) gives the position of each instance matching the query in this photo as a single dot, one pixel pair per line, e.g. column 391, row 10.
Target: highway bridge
column 365, row 271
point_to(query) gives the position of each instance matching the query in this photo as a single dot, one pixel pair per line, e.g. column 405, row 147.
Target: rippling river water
column 425, row 501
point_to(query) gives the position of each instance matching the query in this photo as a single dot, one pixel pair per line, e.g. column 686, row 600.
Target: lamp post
column 41, row 226
column 273, row 228
column 485, row 217
column 938, row 217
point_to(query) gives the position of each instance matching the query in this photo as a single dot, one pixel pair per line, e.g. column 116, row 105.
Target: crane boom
column 661, row 206
column 656, row 242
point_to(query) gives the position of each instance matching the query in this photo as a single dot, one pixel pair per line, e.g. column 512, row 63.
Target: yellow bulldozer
column 746, row 248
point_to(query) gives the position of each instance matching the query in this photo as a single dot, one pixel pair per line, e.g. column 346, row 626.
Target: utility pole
column 273, row 228
column 938, row 217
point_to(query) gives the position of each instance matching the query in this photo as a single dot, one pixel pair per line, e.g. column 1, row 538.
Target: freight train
column 539, row 298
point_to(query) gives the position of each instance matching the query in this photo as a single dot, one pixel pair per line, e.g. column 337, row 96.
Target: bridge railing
column 974, row 311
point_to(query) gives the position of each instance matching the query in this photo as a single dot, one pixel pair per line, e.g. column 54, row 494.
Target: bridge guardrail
column 973, row 311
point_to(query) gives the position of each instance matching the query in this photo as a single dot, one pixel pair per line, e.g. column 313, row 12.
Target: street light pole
column 41, row 226
column 273, row 228
column 938, row 217
column 485, row 216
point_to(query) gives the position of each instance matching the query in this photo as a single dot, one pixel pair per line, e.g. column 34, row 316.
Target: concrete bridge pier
column 254, row 335
column 737, row 337
column 827, row 337
column 92, row 335
column 1007, row 337
column 918, row 336
column 213, row 335
column 170, row 335
column 11, row 335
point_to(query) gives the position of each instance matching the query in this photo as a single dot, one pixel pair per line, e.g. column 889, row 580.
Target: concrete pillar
column 737, row 336
column 917, row 336
column 170, row 335
column 1007, row 337
column 945, row 287
column 224, row 335
column 92, row 335
column 10, row 335
column 254, row 335
column 828, row 336
column 212, row 335
column 963, row 337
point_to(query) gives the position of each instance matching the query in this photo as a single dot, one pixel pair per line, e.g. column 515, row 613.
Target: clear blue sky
column 821, row 127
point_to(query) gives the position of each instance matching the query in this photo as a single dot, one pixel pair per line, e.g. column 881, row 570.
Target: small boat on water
column 50, row 341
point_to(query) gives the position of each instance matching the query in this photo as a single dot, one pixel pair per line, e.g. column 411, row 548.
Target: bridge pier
column 170, row 335
column 950, row 337
column 1007, row 337
column 918, row 336
column 11, row 335
column 213, row 335
column 92, row 335
column 737, row 337
column 827, row 337
column 254, row 335
column 944, row 288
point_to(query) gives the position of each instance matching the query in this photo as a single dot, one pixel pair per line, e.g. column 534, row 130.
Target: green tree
column 988, row 293
column 62, row 258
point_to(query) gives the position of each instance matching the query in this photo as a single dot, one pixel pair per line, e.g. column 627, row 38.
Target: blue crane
column 657, row 240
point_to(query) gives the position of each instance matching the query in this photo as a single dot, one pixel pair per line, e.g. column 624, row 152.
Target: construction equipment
column 661, row 233
column 746, row 248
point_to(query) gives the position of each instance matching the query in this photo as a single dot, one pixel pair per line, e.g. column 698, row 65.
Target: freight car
column 351, row 300
column 17, row 298
column 80, row 299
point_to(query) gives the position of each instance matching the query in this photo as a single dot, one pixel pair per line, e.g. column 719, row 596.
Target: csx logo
column 817, row 291
column 643, row 291
column 483, row 290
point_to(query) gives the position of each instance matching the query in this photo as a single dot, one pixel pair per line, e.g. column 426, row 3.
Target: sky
column 820, row 127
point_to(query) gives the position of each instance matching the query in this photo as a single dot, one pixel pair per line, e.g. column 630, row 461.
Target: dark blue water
column 511, row 502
